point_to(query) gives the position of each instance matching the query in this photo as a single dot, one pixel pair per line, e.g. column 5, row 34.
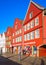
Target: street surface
column 13, row 59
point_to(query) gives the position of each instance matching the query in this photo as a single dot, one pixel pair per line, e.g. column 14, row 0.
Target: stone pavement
column 6, row 61
column 26, row 60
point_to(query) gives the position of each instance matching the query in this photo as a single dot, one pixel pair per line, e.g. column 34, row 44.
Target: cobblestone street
column 25, row 60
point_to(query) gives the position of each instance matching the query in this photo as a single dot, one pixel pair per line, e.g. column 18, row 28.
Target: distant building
column 8, row 39
column 2, row 43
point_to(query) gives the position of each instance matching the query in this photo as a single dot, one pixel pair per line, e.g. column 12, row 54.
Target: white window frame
column 13, row 34
column 25, row 28
column 28, row 36
column 37, row 33
column 13, row 40
column 20, row 30
column 28, row 26
column 31, row 15
column 32, row 35
column 36, row 21
column 25, row 37
column 32, row 23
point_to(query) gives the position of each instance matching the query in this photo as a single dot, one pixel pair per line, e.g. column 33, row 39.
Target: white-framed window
column 25, row 28
column 13, row 34
column 32, row 23
column 16, row 32
column 13, row 40
column 20, row 30
column 28, row 36
column 31, row 15
column 20, row 38
column 25, row 37
column 32, row 35
column 36, row 21
column 37, row 33
column 16, row 39
column 28, row 26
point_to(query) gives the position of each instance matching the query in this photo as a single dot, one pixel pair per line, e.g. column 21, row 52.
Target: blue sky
column 11, row 9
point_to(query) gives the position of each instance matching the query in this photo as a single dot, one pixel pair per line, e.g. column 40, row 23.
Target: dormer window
column 31, row 14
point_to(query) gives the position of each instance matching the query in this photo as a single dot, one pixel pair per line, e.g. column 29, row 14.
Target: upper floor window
column 36, row 21
column 25, row 37
column 25, row 28
column 28, row 36
column 20, row 38
column 13, row 40
column 37, row 33
column 20, row 30
column 13, row 34
column 32, row 23
column 31, row 15
column 32, row 35
column 28, row 26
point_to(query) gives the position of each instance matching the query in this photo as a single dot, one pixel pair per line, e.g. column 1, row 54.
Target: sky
column 12, row 9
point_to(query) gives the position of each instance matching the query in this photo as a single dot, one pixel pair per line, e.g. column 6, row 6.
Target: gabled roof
column 40, row 7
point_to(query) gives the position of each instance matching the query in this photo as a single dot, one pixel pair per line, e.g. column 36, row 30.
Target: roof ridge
column 40, row 7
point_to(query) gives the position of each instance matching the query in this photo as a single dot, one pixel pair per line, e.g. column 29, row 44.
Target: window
column 13, row 34
column 25, row 37
column 31, row 14
column 36, row 21
column 28, row 36
column 37, row 33
column 25, row 28
column 13, row 40
column 16, row 39
column 28, row 26
column 20, row 30
column 32, row 23
column 16, row 27
column 32, row 35
column 20, row 38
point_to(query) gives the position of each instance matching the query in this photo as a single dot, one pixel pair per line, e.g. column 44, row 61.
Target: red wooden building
column 17, row 34
column 9, row 39
column 35, row 30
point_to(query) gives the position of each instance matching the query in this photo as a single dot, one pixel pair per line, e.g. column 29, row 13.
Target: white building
column 2, row 43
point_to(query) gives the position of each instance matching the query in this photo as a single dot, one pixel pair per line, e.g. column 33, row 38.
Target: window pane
column 28, row 26
column 30, row 16
column 32, row 23
column 32, row 35
column 28, row 36
column 36, row 21
column 25, row 28
column 37, row 33
column 25, row 37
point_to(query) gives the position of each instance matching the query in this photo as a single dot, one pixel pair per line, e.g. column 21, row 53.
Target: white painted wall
column 2, row 43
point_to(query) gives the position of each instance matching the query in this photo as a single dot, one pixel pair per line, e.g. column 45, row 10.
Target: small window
column 20, row 30
column 37, row 33
column 32, row 35
column 13, row 34
column 36, row 21
column 31, row 14
column 13, row 40
column 25, row 28
column 28, row 26
column 25, row 37
column 32, row 23
column 28, row 36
